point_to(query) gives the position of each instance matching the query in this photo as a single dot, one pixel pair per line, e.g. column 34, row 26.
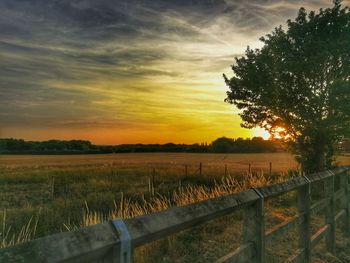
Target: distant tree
column 222, row 145
column 297, row 85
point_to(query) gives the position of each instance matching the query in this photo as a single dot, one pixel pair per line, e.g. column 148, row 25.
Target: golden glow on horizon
column 189, row 112
column 155, row 134
column 258, row 132
column 188, row 108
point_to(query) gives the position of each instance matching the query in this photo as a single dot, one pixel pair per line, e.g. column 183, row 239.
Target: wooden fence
column 114, row 241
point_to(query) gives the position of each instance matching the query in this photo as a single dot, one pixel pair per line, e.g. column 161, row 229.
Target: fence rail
column 114, row 241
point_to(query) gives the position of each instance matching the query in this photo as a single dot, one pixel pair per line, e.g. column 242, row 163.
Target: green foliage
column 239, row 145
column 19, row 146
column 297, row 85
column 51, row 146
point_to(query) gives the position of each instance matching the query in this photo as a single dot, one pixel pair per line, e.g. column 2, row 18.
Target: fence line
column 114, row 241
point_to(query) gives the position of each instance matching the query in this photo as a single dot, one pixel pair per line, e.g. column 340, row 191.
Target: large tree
column 297, row 85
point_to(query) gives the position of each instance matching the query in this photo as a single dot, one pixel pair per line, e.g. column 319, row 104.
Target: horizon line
column 135, row 143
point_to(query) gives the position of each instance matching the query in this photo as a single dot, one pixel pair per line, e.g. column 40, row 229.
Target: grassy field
column 41, row 195
column 237, row 162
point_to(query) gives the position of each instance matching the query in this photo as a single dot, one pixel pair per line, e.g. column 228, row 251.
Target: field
column 41, row 195
column 238, row 162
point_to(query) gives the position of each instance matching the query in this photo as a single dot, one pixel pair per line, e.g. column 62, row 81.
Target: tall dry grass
column 10, row 238
column 129, row 208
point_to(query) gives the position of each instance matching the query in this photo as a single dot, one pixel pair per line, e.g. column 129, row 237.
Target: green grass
column 42, row 195
column 70, row 195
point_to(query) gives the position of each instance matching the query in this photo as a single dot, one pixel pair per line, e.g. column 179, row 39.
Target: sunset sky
column 136, row 71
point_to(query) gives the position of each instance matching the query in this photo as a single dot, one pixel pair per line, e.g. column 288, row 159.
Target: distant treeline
column 220, row 145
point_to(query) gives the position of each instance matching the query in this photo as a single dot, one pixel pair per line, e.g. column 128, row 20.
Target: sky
column 135, row 71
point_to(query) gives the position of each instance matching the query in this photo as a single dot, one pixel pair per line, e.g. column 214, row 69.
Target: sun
column 258, row 132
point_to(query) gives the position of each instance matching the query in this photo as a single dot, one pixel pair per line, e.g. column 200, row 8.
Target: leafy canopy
column 297, row 85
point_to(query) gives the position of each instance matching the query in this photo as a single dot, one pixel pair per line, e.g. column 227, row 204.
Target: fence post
column 153, row 176
column 150, row 187
column 329, row 190
column 344, row 183
column 52, row 187
column 347, row 188
column 200, row 168
column 254, row 228
column 225, row 170
column 270, row 170
column 348, row 200
column 304, row 200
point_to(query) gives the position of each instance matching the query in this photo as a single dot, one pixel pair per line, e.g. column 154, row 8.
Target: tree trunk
column 315, row 153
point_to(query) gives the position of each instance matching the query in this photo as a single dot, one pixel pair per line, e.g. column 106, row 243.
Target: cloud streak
column 117, row 71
